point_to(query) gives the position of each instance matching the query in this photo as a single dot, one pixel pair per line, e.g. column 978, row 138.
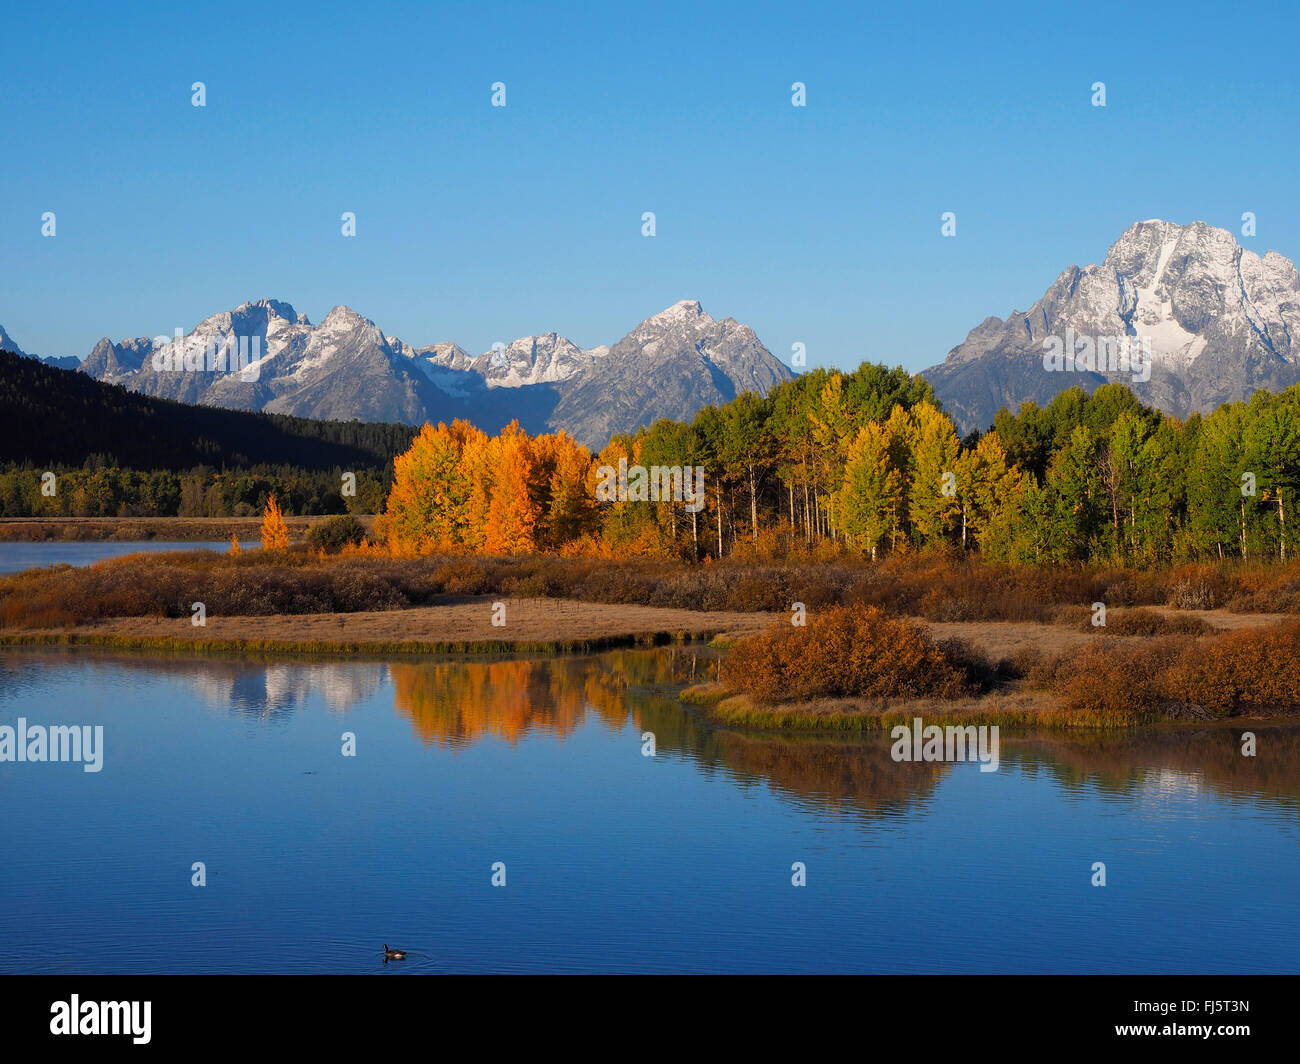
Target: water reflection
column 617, row 862
column 1170, row 761
column 454, row 704
column 247, row 688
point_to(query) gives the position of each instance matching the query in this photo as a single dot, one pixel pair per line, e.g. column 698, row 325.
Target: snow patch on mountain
column 1221, row 322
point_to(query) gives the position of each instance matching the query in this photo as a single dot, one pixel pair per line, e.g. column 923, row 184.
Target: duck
column 394, row 954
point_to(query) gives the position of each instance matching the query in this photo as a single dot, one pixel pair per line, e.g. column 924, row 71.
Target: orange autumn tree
column 513, row 511
column 275, row 533
column 458, row 489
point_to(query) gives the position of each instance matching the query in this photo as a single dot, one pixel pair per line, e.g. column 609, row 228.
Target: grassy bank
column 855, row 669
column 938, row 637
column 275, row 648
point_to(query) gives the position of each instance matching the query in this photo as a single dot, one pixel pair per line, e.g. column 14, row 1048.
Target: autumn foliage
column 853, row 651
column 275, row 534
column 459, row 489
column 1113, row 683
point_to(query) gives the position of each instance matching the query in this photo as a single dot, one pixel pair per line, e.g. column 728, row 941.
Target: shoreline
column 463, row 627
column 364, row 651
column 150, row 529
column 1018, row 709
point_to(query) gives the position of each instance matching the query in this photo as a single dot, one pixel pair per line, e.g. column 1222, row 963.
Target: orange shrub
column 853, row 651
column 1246, row 669
column 1109, row 684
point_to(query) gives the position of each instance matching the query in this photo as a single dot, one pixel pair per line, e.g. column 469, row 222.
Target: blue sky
column 477, row 224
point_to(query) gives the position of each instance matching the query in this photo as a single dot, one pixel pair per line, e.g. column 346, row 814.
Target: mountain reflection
column 456, row 703
column 1168, row 762
column 263, row 690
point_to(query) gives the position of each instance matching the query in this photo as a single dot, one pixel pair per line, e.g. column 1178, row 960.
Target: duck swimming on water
column 394, row 954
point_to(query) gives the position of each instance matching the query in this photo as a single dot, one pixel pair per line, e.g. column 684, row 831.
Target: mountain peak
column 1214, row 322
column 7, row 343
column 347, row 367
column 684, row 311
column 276, row 307
column 343, row 317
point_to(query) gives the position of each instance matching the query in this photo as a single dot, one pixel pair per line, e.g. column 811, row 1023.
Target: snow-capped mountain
column 346, row 367
column 1211, row 322
column 670, row 365
column 265, row 356
column 534, row 360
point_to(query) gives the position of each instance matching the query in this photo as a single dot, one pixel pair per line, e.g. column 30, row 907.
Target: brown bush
column 1196, row 587
column 851, row 651
column 1240, row 670
column 1107, row 683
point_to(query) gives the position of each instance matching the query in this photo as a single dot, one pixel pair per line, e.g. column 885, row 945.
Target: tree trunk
column 719, row 493
column 753, row 505
column 1281, row 525
column 1243, row 530
column 807, row 513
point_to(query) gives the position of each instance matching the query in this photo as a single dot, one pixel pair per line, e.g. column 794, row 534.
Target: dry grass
column 462, row 624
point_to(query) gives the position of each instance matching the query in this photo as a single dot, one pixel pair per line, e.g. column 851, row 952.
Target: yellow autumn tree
column 932, row 503
column 870, row 499
column 985, row 482
column 477, row 465
column 275, row 534
column 431, row 487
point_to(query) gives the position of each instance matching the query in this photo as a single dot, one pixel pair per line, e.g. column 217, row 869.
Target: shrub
column 333, row 535
column 1240, row 670
column 1110, row 683
column 1196, row 587
column 851, row 651
column 1107, row 683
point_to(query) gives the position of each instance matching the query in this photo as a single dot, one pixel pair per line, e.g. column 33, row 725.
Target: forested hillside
column 118, row 452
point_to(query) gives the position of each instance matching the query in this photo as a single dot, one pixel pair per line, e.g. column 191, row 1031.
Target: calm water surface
column 14, row 557
column 614, row 860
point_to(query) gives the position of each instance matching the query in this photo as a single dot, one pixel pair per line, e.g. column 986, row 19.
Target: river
column 534, row 772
